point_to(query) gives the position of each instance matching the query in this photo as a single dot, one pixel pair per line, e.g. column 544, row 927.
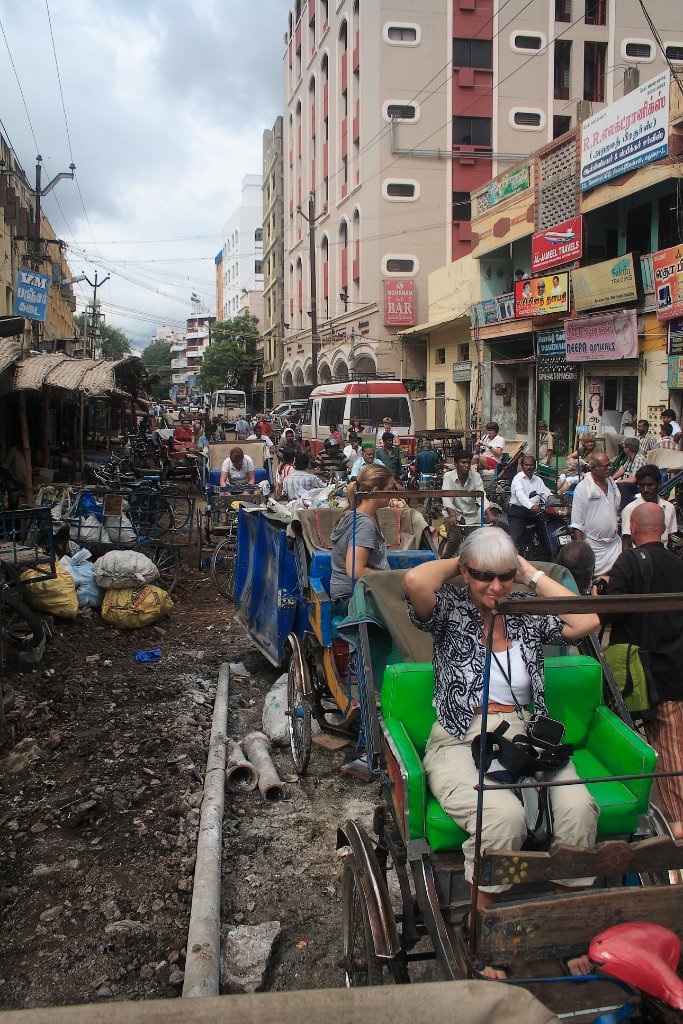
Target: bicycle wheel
column 150, row 513
column 223, row 568
column 166, row 559
column 20, row 627
column 361, row 966
column 298, row 718
column 181, row 505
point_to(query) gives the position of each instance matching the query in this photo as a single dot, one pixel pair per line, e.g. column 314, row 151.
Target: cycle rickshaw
column 636, row 860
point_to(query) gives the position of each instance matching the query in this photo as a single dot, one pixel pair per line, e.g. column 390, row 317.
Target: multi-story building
column 451, row 95
column 273, row 324
column 188, row 348
column 17, row 230
column 242, row 252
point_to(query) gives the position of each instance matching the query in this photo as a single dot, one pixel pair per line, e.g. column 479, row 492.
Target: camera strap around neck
column 507, row 676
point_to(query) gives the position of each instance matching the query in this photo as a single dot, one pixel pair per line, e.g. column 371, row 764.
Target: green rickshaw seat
column 603, row 745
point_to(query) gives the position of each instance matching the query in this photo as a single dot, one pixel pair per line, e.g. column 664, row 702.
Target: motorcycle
column 543, row 536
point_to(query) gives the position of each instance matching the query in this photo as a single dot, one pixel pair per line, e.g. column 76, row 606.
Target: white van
column 370, row 400
column 231, row 405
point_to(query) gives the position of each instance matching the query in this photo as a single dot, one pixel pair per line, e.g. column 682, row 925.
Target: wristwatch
column 533, row 582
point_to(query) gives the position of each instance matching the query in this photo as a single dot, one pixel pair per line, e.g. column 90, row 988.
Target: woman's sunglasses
column 489, row 577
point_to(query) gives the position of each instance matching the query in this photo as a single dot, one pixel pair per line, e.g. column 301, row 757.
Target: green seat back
column 407, row 694
column 573, row 690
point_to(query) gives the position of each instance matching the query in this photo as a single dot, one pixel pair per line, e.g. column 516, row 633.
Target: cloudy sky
column 166, row 102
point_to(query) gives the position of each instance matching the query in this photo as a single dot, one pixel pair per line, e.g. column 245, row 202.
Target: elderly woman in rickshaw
column 368, row 542
column 458, row 617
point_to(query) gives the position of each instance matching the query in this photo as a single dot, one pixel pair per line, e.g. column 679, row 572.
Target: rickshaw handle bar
column 577, row 782
column 617, row 604
column 418, row 495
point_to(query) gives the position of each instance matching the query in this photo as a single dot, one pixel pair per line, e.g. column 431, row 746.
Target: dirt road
column 99, row 805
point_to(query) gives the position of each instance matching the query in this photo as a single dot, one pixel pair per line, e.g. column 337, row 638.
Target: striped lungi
column 665, row 733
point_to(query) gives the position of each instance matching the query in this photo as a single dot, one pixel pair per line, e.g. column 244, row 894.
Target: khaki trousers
column 452, row 776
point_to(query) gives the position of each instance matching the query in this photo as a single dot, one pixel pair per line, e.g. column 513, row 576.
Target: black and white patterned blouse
column 457, row 629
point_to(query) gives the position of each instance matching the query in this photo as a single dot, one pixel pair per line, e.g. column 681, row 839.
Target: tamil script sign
column 675, row 346
column 507, row 185
column 626, row 134
column 667, row 268
column 608, row 337
column 399, row 303
column 33, row 292
column 557, row 245
column 607, row 284
column 556, row 368
column 550, row 343
column 540, row 296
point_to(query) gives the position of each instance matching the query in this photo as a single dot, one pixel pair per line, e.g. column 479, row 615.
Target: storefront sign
column 33, row 292
column 594, row 396
column 462, row 371
column 556, row 368
column 489, row 311
column 667, row 268
column 626, row 134
column 607, row 284
column 675, row 345
column 551, row 343
column 675, row 374
column 399, row 303
column 508, row 185
column 364, row 326
column 557, row 245
column 602, row 338
column 540, row 296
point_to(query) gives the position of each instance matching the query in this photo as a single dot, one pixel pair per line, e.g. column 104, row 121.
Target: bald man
column 663, row 634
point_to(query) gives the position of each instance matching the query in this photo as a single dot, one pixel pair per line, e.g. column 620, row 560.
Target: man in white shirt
column 669, row 416
column 648, row 480
column 258, row 435
column 367, row 458
column 352, row 450
column 300, row 480
column 490, row 448
column 526, row 493
column 464, row 478
column 594, row 513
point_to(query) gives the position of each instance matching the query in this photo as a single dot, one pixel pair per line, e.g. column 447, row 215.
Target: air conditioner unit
column 584, row 109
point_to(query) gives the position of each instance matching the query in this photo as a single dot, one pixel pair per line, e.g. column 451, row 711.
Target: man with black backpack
column 650, row 568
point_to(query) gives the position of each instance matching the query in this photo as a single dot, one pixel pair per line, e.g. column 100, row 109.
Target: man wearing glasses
column 594, row 513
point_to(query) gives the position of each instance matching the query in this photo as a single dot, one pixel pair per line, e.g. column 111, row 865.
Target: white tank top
column 499, row 688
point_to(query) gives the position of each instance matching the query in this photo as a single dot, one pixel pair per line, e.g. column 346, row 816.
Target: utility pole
column 315, row 341
column 92, row 315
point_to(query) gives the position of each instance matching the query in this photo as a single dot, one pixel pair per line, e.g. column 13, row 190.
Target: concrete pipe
column 240, row 774
column 257, row 746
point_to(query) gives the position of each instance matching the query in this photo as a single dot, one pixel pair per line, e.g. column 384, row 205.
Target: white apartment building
column 187, row 348
column 242, row 263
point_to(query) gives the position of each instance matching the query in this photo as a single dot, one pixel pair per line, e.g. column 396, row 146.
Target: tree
column 157, row 359
column 228, row 362
column 115, row 344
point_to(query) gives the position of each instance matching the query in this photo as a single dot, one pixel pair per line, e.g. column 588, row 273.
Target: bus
column 371, row 400
column 231, row 405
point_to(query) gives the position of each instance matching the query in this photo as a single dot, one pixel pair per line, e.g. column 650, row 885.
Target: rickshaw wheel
column 361, row 966
column 298, row 718
column 223, row 568
column 166, row 559
column 180, row 503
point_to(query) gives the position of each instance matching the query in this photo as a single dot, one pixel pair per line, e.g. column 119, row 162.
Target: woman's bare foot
column 579, row 965
column 494, row 973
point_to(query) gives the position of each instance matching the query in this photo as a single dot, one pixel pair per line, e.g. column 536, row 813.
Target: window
column 464, row 352
column 594, row 62
column 527, row 119
column 674, row 51
column 462, row 206
column 332, row 411
column 637, row 50
column 596, row 12
column 402, row 35
column 526, row 42
column 440, row 356
column 400, row 265
column 258, row 266
column 375, row 409
column 472, row 53
column 561, row 124
column 562, row 68
column 563, row 10
column 400, row 190
column 401, row 111
column 258, row 235
column 472, row 131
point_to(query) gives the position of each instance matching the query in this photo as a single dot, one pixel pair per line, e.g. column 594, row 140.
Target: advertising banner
column 556, row 368
column 675, row 374
column 602, row 338
column 540, row 296
column 399, row 303
column 675, row 346
column 607, row 284
column 594, row 401
column 557, row 245
column 507, row 185
column 626, row 134
column 33, row 292
column 667, row 268
column 462, row 371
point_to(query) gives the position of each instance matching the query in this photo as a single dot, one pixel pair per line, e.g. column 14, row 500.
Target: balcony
column 178, row 364
column 493, row 311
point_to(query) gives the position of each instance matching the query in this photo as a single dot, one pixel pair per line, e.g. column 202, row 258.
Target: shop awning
column 433, row 325
column 95, row 378
column 10, row 353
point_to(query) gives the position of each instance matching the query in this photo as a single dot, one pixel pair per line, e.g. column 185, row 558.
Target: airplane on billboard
column 557, row 237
